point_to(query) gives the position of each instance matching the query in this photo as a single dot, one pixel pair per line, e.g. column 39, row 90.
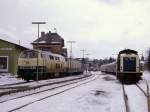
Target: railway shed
column 9, row 53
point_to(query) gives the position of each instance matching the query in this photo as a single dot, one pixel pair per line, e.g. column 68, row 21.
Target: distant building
column 50, row 42
column 9, row 53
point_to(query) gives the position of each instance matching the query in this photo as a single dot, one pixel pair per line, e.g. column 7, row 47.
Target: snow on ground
column 15, row 95
column 137, row 100
column 7, row 78
column 101, row 95
column 146, row 75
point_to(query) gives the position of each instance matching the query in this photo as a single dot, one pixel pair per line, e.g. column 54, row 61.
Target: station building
column 52, row 42
column 9, row 53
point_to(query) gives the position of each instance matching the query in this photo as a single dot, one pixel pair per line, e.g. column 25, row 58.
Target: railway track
column 17, row 83
column 71, row 86
column 125, row 99
column 146, row 94
column 7, row 90
column 58, row 85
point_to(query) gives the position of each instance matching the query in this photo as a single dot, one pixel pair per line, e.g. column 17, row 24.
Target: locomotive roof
column 50, row 53
column 128, row 51
column 45, row 52
column 112, row 63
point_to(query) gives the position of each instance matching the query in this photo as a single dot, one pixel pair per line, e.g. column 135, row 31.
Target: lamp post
column 71, row 42
column 38, row 23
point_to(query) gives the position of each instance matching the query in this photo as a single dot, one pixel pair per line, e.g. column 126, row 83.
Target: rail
column 125, row 99
column 146, row 94
column 57, row 93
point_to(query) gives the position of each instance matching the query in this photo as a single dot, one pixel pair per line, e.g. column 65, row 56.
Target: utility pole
column 55, row 30
column 87, row 64
column 71, row 42
column 38, row 23
column 83, row 53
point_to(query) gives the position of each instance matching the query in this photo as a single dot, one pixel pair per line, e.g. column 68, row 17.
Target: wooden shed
column 9, row 53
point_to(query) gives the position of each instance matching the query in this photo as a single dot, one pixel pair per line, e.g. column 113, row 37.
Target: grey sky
column 103, row 27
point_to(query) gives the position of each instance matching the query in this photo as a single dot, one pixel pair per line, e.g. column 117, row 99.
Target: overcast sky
column 102, row 27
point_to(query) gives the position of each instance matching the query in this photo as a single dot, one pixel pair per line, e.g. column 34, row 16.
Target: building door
column 3, row 63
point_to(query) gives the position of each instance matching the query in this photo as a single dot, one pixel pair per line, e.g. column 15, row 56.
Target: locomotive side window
column 43, row 55
column 51, row 57
column 56, row 58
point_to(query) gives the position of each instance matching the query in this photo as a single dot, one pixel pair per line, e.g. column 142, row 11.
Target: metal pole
column 70, row 62
column 87, row 66
column 83, row 51
column 38, row 32
column 38, row 23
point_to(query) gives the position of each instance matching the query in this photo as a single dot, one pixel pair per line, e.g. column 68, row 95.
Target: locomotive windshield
column 129, row 64
column 29, row 54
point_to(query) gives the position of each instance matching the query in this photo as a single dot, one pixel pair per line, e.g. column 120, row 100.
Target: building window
column 3, row 63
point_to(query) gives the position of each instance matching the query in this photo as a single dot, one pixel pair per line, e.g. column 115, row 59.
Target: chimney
column 49, row 32
column 42, row 34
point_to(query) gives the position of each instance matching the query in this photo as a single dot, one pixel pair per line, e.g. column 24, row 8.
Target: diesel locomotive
column 127, row 68
column 37, row 64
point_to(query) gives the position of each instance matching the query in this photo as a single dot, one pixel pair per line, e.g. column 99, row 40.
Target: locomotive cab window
column 29, row 54
column 129, row 64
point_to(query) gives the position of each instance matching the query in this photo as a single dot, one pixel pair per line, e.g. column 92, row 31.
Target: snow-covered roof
column 11, row 38
column 49, row 38
column 7, row 38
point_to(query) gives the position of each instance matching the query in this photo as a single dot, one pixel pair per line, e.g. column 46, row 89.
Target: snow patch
column 8, row 78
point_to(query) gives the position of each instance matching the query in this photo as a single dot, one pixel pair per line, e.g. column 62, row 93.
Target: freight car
column 127, row 68
column 37, row 64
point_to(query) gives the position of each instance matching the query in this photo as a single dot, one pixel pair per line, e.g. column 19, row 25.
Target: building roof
column 14, row 43
column 49, row 38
